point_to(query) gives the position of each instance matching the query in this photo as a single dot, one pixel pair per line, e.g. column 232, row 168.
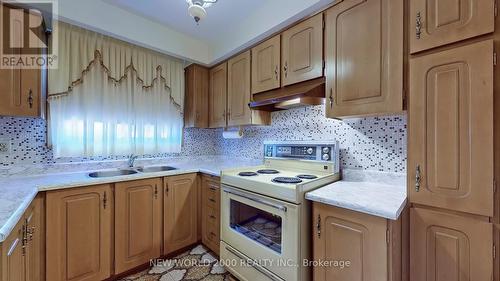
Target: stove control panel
column 325, row 152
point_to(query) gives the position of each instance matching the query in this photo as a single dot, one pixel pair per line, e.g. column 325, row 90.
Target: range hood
column 306, row 93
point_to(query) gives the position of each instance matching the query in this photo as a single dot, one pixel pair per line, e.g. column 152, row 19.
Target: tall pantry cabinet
column 453, row 139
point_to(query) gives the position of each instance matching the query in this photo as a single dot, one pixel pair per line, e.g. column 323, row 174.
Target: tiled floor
column 196, row 264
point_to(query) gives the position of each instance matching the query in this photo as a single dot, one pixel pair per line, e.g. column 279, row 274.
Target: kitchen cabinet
column 435, row 23
column 238, row 94
column 22, row 251
column 180, row 225
column 451, row 129
column 447, row 246
column 302, row 51
column 210, row 205
column 196, row 105
column 496, row 242
column 266, row 65
column 372, row 245
column 138, row 220
column 21, row 91
column 364, row 51
column 218, row 96
column 78, row 223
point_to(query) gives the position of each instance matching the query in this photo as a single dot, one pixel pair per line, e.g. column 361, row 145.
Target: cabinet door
column 435, row 23
column 218, row 96
column 78, row 245
column 137, row 223
column 34, row 241
column 364, row 58
column 196, row 105
column 21, row 88
column 180, row 212
column 451, row 129
column 342, row 235
column 211, row 213
column 266, row 65
column 497, row 253
column 302, row 53
column 13, row 261
column 238, row 90
column 447, row 247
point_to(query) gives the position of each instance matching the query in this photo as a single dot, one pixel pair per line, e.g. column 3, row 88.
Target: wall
column 376, row 143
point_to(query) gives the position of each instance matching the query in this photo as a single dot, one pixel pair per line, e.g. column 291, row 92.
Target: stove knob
column 326, row 149
column 326, row 157
column 310, row 150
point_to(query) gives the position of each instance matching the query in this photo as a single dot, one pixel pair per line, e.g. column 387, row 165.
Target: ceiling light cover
column 197, row 8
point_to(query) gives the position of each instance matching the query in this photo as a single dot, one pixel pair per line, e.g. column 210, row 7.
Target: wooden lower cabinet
column 180, row 212
column 210, row 193
column 138, row 220
column 372, row 245
column 13, row 255
column 449, row 247
column 78, row 223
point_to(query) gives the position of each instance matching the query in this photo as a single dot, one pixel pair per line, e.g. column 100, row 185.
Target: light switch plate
column 4, row 146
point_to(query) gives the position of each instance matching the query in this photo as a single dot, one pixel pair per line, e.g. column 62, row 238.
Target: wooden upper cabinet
column 447, row 247
column 451, row 129
column 218, row 96
column 78, row 231
column 196, row 105
column 302, row 51
column 21, row 89
column 180, row 213
column 138, row 220
column 364, row 58
column 435, row 23
column 238, row 90
column 266, row 65
column 343, row 235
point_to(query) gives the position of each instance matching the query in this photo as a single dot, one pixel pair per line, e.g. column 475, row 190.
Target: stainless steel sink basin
column 155, row 169
column 105, row 174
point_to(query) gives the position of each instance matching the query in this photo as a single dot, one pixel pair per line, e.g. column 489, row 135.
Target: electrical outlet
column 4, row 146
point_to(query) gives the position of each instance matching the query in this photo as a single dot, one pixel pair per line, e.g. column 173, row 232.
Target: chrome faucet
column 131, row 160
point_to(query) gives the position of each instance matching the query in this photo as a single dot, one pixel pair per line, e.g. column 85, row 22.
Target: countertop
column 17, row 190
column 379, row 194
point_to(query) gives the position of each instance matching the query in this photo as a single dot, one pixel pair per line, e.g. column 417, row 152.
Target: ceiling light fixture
column 197, row 8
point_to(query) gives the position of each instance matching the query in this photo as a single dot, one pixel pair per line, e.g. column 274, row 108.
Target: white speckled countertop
column 19, row 185
column 376, row 193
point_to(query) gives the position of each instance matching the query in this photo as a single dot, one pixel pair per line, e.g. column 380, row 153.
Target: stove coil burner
column 247, row 174
column 307, row 177
column 268, row 171
column 287, row 180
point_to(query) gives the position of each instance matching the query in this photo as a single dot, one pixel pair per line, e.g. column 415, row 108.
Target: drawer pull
column 212, row 217
column 211, row 200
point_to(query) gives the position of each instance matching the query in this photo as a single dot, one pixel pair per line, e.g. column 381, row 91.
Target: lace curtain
column 123, row 99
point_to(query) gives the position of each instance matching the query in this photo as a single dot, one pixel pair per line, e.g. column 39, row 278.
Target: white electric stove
column 265, row 219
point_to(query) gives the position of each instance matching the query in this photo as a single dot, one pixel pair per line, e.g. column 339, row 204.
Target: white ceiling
column 165, row 25
column 222, row 17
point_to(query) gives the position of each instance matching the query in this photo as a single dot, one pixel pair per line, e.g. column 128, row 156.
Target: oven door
column 264, row 229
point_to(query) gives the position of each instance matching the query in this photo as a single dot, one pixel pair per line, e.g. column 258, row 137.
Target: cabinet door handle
column 166, row 189
column 318, row 226
column 156, row 192
column 105, row 200
column 330, row 98
column 276, row 72
column 418, row 178
column 30, row 98
column 285, row 68
column 418, row 25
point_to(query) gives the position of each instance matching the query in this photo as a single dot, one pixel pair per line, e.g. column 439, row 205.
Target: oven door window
column 256, row 224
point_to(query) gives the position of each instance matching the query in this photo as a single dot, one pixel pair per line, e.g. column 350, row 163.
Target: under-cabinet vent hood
column 306, row 93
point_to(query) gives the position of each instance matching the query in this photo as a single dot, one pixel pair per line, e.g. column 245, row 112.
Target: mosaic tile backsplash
column 375, row 143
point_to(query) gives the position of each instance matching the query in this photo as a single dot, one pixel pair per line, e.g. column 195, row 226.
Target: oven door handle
column 257, row 200
column 257, row 266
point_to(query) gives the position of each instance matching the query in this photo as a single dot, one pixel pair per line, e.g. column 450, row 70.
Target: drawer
column 212, row 197
column 212, row 216
column 238, row 265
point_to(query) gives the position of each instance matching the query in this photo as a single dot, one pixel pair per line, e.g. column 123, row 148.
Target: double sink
column 124, row 172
